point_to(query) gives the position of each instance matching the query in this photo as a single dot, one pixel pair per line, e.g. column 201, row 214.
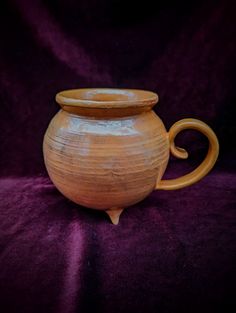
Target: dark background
column 183, row 51
column 174, row 251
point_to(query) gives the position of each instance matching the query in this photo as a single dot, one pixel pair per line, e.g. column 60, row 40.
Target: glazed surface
column 104, row 163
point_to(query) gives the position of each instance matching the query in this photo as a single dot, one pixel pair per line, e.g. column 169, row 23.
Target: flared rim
column 106, row 98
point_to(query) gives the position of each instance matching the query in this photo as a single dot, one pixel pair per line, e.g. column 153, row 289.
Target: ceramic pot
column 107, row 149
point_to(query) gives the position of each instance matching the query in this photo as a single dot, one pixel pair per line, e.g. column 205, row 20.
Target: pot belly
column 105, row 163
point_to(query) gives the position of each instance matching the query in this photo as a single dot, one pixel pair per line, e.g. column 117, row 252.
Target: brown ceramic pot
column 106, row 149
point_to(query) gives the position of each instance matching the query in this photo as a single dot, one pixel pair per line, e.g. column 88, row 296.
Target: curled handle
column 204, row 167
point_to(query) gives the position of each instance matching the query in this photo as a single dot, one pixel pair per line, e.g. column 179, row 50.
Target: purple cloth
column 173, row 252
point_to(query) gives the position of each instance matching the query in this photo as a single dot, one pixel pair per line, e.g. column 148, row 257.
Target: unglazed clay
column 106, row 149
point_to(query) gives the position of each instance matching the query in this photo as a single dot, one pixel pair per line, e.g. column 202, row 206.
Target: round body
column 106, row 162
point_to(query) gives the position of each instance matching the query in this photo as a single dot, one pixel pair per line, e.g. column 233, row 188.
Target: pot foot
column 114, row 215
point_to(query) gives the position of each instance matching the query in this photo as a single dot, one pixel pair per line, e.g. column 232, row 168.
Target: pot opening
column 106, row 98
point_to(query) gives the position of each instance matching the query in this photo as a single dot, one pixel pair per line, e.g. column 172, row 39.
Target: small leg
column 114, row 214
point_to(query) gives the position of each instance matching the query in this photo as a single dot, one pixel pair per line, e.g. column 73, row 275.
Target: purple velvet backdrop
column 175, row 251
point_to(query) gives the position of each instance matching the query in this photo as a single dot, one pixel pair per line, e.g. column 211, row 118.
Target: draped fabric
column 174, row 251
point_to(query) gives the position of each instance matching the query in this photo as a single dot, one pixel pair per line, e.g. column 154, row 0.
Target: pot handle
column 204, row 167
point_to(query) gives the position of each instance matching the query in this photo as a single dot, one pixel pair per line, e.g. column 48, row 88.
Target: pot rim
column 107, row 98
